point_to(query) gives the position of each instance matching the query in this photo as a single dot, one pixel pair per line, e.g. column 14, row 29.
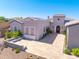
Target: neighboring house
column 32, row 28
column 72, row 34
column 4, row 26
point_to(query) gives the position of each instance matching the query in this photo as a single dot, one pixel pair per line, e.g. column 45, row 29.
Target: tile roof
column 34, row 22
column 30, row 21
column 71, row 23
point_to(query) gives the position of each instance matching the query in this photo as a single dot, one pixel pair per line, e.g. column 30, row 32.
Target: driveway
column 49, row 39
column 43, row 47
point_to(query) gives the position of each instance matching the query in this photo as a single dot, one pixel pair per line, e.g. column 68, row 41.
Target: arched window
column 58, row 29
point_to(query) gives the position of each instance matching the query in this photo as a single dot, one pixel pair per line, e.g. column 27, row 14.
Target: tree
column 2, row 18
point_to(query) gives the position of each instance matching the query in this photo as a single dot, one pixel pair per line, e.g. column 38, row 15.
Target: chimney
column 48, row 17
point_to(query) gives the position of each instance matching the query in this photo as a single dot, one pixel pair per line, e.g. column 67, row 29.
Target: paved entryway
column 44, row 48
column 59, row 43
column 49, row 39
column 50, row 51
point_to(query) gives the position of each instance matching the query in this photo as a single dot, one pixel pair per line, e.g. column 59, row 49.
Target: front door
column 58, row 29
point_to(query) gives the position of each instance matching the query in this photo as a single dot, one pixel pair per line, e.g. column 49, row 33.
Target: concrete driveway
column 44, row 48
column 49, row 39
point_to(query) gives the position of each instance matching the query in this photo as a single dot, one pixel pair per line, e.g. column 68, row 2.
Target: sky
column 39, row 8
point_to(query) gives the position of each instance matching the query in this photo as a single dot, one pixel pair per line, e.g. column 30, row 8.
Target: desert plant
column 64, row 32
column 8, row 34
column 17, row 50
column 19, row 33
column 12, row 34
column 30, row 57
column 48, row 31
column 75, row 51
column 66, row 51
column 13, row 49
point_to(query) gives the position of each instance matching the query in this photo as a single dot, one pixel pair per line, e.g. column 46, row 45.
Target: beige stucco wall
column 59, row 22
column 40, row 28
column 73, row 36
column 18, row 26
column 29, row 30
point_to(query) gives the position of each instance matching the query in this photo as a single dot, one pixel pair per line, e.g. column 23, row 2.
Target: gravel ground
column 7, row 53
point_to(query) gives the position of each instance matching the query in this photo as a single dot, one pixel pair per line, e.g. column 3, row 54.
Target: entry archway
column 58, row 29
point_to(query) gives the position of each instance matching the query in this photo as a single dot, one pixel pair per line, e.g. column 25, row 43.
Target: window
column 26, row 30
column 44, row 29
column 15, row 29
column 31, row 31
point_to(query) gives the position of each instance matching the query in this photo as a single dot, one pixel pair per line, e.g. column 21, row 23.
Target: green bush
column 8, row 34
column 66, row 51
column 64, row 32
column 75, row 51
column 2, row 18
column 17, row 50
column 13, row 34
column 19, row 33
column 48, row 31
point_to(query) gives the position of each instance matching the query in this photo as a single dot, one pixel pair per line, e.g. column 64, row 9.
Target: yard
column 43, row 48
column 7, row 53
column 51, row 47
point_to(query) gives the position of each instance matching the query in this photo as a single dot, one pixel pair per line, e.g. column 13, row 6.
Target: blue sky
column 39, row 8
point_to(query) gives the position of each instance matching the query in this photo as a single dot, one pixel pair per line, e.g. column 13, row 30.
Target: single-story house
column 4, row 26
column 72, row 34
column 32, row 28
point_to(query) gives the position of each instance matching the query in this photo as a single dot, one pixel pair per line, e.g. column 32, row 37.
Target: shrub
column 48, row 31
column 75, row 51
column 17, row 50
column 64, row 32
column 13, row 49
column 13, row 34
column 30, row 57
column 8, row 34
column 66, row 51
column 19, row 33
